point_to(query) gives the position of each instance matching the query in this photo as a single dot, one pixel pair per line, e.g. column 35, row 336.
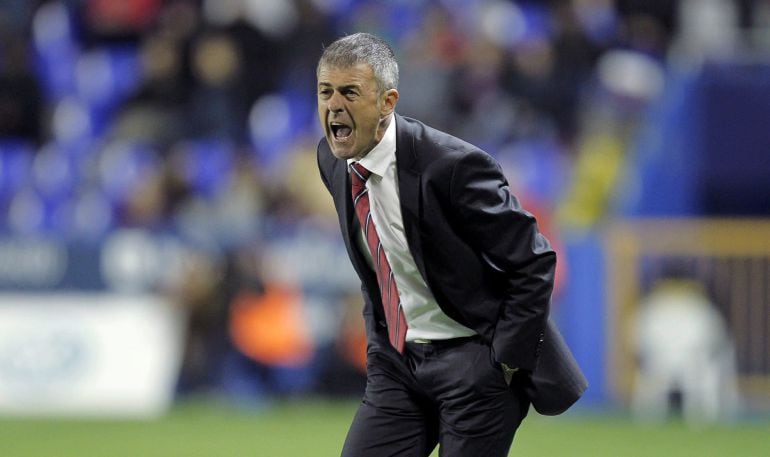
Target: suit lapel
column 350, row 223
column 409, row 188
column 344, row 200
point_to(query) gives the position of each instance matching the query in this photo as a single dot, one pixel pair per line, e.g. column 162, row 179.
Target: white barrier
column 88, row 354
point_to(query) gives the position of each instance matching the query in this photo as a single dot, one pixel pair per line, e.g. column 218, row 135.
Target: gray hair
column 365, row 48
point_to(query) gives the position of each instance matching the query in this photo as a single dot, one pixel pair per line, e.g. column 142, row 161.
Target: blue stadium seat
column 15, row 165
column 207, row 164
column 27, row 212
column 56, row 50
column 85, row 215
column 105, row 77
column 53, row 173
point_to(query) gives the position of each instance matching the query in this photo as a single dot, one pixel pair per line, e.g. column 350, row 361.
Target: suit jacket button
column 382, row 323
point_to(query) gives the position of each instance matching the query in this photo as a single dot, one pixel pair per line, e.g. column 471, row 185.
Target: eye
column 325, row 93
column 350, row 94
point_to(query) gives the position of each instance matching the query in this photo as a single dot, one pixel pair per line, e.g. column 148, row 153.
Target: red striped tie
column 394, row 313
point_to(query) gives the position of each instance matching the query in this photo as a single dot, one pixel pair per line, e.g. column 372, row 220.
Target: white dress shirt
column 425, row 319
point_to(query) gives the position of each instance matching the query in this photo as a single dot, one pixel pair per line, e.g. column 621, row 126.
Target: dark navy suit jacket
column 478, row 251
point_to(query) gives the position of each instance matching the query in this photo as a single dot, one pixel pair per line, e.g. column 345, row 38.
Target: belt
column 445, row 342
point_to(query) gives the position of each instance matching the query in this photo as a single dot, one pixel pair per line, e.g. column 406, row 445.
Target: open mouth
column 340, row 131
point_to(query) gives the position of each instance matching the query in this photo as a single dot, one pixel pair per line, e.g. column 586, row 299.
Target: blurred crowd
column 196, row 119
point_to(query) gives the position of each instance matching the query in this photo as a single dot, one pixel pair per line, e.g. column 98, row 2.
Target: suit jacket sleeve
column 324, row 165
column 508, row 241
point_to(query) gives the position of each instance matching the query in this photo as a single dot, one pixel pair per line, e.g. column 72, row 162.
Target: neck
column 383, row 126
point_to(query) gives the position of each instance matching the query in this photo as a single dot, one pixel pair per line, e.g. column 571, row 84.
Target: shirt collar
column 383, row 154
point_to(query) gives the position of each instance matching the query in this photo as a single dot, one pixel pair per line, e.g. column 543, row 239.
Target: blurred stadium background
column 171, row 276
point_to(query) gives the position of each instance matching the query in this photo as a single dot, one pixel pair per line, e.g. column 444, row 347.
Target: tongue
column 343, row 132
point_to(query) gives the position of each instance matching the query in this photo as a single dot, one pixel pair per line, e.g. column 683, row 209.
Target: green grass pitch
column 317, row 428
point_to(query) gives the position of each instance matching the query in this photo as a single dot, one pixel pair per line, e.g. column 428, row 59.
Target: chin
column 345, row 154
column 341, row 153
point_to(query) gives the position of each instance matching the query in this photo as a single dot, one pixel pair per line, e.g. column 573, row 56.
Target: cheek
column 322, row 117
column 367, row 120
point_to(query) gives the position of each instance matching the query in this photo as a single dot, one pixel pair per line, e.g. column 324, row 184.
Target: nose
column 335, row 103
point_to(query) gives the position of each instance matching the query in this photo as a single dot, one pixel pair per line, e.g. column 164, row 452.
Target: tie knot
column 359, row 171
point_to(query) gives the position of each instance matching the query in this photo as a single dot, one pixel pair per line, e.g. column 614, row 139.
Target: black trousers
column 449, row 393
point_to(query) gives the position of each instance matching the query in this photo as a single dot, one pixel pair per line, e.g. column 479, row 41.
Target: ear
column 389, row 100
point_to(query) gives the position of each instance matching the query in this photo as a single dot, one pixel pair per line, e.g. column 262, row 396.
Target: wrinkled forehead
column 360, row 74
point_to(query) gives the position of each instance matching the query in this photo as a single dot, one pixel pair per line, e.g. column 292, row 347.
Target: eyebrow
column 341, row 88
